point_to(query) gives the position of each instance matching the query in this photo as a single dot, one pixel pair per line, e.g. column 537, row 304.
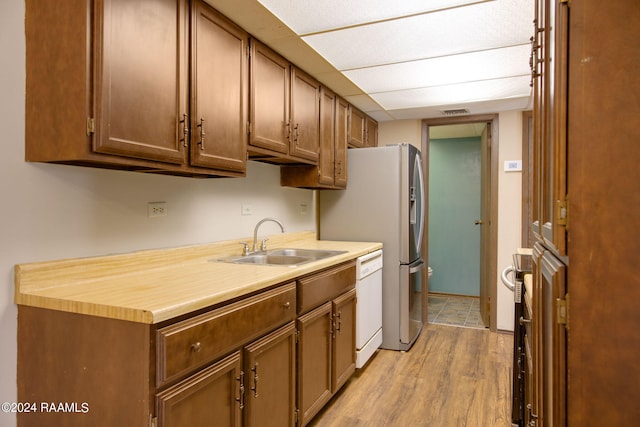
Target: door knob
column 478, row 222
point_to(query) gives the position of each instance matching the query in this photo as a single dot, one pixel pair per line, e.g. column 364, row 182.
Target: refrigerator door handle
column 420, row 266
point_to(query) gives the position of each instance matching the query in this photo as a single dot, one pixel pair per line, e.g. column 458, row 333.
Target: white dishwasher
column 368, row 306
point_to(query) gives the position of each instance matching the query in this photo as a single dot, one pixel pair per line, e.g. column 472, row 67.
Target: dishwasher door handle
column 368, row 257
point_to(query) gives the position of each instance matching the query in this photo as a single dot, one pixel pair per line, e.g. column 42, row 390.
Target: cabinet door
column 344, row 339
column 305, row 116
column 554, row 341
column 270, row 379
column 269, row 105
column 138, row 112
column 356, row 127
column 537, row 81
column 211, row 397
column 371, row 132
column 552, row 113
column 218, row 91
column 341, row 143
column 555, row 193
column 314, row 361
column 326, row 163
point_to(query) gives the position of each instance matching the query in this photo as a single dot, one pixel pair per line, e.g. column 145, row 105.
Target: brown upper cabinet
column 109, row 87
column 356, row 127
column 331, row 171
column 371, row 133
column 284, row 110
column 219, row 84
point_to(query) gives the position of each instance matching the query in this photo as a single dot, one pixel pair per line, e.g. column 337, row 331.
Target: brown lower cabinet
column 260, row 380
column 326, row 348
column 269, row 359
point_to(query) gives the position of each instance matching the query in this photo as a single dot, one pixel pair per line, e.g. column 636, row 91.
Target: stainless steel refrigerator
column 384, row 202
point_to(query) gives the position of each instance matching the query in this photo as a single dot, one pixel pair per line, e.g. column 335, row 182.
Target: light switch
column 513, row 165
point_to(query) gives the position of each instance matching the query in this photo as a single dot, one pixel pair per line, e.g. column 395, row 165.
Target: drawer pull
column 287, row 305
column 255, row 379
column 196, row 347
column 240, row 399
column 522, row 320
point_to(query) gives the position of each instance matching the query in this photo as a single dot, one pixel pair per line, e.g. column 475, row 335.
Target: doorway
column 466, row 229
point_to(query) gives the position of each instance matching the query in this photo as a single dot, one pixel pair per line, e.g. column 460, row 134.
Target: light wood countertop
column 157, row 285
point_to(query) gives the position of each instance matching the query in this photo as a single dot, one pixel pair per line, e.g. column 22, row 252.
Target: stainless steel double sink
column 288, row 256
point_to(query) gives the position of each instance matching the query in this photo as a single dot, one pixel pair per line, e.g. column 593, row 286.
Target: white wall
column 509, row 193
column 54, row 211
column 398, row 131
column 509, row 209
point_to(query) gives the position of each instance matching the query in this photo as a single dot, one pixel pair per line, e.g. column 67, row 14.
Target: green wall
column 454, row 205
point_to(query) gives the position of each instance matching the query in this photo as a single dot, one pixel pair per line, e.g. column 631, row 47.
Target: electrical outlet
column 246, row 209
column 155, row 209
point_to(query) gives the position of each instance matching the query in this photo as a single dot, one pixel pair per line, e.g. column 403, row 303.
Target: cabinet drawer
column 324, row 286
column 194, row 342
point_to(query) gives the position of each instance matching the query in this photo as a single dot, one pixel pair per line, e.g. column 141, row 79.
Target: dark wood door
column 356, row 127
column 341, row 142
column 314, row 361
column 344, row 339
column 326, row 162
column 270, row 377
column 269, row 105
column 305, row 115
column 219, row 86
column 140, row 86
column 210, row 397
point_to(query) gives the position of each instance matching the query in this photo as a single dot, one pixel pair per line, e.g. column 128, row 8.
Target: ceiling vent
column 455, row 112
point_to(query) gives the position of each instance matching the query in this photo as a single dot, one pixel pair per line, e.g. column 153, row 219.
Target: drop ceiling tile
column 455, row 94
column 483, row 65
column 312, row 16
column 481, row 107
column 465, row 29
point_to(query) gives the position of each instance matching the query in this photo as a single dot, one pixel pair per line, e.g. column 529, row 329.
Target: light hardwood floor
column 452, row 377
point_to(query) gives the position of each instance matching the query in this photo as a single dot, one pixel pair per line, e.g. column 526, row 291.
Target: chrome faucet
column 263, row 246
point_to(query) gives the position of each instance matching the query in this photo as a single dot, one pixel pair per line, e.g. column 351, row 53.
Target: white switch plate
column 512, row 165
column 246, row 209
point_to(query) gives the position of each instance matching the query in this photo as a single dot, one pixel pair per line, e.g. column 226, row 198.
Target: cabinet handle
column 240, row 399
column 339, row 322
column 533, row 417
column 185, row 129
column 202, row 134
column 196, row 347
column 288, row 131
column 255, row 379
column 296, row 133
column 287, row 305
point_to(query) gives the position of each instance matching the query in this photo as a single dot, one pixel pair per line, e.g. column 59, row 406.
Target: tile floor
column 455, row 310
